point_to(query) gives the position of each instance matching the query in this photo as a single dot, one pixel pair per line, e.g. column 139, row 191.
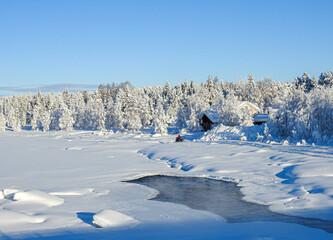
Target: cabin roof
column 261, row 118
column 212, row 115
column 251, row 104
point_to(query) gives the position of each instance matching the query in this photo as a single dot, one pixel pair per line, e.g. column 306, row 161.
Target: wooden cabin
column 260, row 119
column 211, row 117
column 253, row 109
column 208, row 119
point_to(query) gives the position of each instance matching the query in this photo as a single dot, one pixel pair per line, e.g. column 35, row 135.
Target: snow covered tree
column 100, row 113
column 35, row 119
column 326, row 79
column 321, row 115
column 305, row 82
column 66, row 120
column 228, row 110
column 45, row 119
column 251, row 93
column 193, row 122
column 124, row 106
column 117, row 118
column 210, row 89
column 13, row 115
column 2, row 120
column 166, row 90
column 292, row 118
column 160, row 120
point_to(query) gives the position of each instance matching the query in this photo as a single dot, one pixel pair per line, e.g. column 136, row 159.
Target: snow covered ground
column 69, row 185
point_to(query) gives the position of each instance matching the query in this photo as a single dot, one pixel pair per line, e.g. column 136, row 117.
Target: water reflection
column 220, row 197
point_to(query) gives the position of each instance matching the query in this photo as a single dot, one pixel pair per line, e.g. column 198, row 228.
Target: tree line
column 302, row 106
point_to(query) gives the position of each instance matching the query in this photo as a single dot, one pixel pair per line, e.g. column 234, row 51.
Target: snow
column 110, row 218
column 63, row 184
column 261, row 118
column 212, row 114
column 269, row 174
column 8, row 218
column 222, row 132
column 73, row 192
column 38, row 197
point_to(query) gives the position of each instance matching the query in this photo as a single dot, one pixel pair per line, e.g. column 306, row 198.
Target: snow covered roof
column 251, row 104
column 212, row 115
column 261, row 118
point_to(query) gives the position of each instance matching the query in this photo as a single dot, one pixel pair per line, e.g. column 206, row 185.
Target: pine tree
column 66, row 121
column 210, row 89
column 305, row 82
column 45, row 119
column 117, row 117
column 160, row 120
column 13, row 116
column 251, row 91
column 2, row 120
column 326, row 79
column 192, row 88
column 166, row 90
column 100, row 113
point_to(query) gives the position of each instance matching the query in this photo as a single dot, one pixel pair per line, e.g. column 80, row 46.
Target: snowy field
column 61, row 185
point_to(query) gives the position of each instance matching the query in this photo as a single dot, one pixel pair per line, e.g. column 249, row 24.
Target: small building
column 253, row 109
column 260, row 119
column 208, row 119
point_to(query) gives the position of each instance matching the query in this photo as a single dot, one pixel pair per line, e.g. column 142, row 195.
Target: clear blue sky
column 150, row 42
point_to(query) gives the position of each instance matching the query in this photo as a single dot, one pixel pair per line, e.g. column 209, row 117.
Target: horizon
column 6, row 91
column 148, row 43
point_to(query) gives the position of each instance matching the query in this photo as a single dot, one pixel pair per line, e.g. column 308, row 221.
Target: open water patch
column 220, row 197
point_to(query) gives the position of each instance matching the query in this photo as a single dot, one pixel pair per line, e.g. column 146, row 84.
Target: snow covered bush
column 303, row 115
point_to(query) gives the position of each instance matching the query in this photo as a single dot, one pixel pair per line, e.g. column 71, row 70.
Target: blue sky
column 149, row 42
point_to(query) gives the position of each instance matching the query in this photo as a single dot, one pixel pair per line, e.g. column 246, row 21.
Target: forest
column 303, row 109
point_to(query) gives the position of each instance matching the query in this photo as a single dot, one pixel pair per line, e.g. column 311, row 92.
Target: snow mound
column 13, row 218
column 8, row 193
column 73, row 192
column 110, row 218
column 222, row 132
column 39, row 197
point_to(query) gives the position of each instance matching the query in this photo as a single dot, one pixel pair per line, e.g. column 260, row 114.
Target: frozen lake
column 55, row 183
column 222, row 198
